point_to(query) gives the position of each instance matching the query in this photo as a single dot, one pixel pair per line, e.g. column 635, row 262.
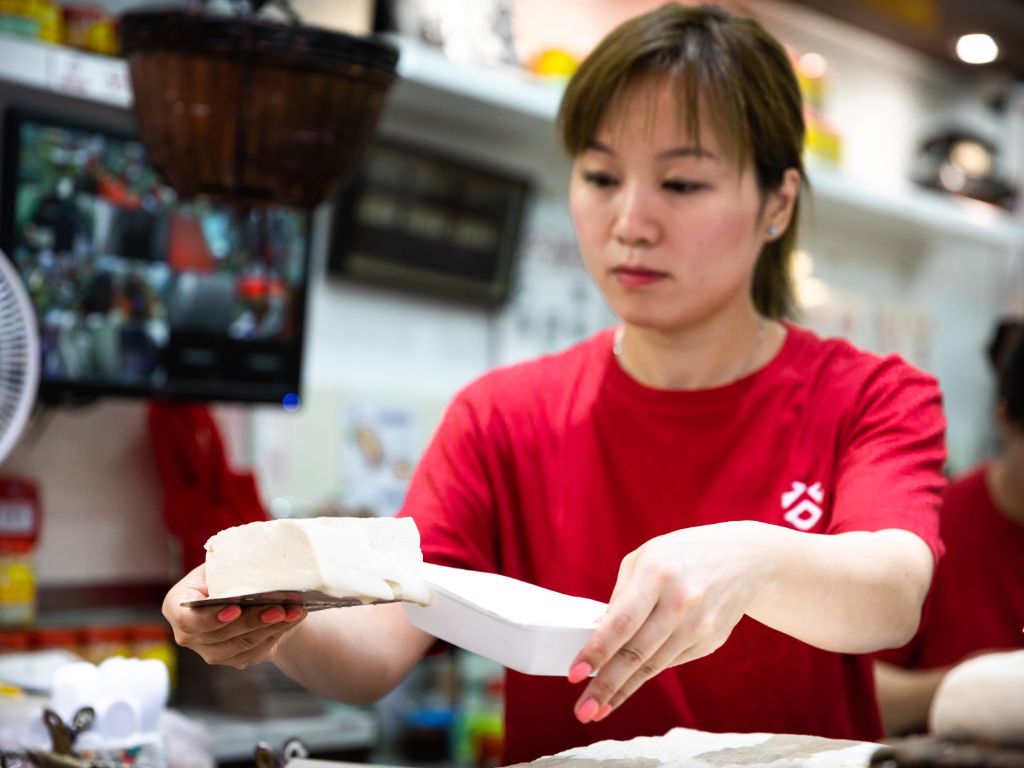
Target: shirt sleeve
column 903, row 656
column 892, row 456
column 450, row 496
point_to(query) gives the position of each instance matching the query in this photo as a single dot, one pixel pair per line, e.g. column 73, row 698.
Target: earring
column 773, row 230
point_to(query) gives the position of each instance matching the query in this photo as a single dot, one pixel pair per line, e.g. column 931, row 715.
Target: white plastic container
column 519, row 625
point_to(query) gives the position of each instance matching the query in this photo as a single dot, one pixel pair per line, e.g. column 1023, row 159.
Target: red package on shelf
column 21, row 515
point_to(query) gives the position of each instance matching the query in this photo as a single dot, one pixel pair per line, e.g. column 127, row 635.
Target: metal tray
column 310, row 599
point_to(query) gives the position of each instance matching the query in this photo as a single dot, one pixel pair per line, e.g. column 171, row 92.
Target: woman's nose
column 635, row 222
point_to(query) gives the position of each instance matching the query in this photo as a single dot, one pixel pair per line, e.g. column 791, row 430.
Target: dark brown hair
column 1006, row 352
column 726, row 63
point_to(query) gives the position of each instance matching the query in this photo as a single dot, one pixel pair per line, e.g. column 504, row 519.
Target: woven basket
column 250, row 111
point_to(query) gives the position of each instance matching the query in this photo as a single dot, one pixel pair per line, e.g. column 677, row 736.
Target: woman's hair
column 1011, row 381
column 726, row 64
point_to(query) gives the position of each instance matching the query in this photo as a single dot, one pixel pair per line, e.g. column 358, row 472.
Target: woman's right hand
column 228, row 635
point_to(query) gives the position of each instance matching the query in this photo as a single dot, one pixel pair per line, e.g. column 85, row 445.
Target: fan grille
column 19, row 350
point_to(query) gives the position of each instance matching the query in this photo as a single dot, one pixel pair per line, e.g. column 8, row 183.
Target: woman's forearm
column 355, row 655
column 854, row 592
column 905, row 697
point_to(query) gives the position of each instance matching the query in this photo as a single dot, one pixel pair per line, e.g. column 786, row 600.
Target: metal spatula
column 310, row 599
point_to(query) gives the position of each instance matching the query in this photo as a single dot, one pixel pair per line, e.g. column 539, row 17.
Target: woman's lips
column 632, row 277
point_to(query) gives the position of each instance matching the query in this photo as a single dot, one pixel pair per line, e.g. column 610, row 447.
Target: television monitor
column 138, row 293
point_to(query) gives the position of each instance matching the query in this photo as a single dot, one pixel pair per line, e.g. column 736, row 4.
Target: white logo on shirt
column 802, row 505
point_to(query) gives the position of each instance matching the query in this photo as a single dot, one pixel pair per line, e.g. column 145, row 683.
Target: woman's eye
column 598, row 178
column 682, row 187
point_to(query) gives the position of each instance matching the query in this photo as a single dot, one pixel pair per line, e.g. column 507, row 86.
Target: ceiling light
column 977, row 49
column 971, row 157
column 812, row 65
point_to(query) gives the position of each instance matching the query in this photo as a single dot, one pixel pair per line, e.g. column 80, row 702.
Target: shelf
column 931, row 211
column 503, row 103
column 65, row 71
column 505, row 88
column 509, row 104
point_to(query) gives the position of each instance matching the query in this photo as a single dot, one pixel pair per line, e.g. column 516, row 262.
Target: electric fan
column 19, row 357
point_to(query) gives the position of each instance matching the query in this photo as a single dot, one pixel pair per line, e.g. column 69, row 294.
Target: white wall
column 100, row 496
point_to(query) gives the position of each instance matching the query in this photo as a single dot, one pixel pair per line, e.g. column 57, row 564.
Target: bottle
column 19, row 531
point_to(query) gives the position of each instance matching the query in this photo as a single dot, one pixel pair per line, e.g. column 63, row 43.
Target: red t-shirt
column 553, row 470
column 977, row 598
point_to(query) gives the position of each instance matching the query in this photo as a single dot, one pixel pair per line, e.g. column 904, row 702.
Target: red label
column 20, row 511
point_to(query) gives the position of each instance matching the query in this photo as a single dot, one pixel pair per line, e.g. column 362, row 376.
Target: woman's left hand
column 676, row 599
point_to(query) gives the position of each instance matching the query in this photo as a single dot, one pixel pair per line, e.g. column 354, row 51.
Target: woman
column 977, row 603
column 758, row 504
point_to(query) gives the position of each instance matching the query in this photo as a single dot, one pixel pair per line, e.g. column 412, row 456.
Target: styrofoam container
column 519, row 625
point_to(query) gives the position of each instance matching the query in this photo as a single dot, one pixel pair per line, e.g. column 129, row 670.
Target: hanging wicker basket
column 252, row 111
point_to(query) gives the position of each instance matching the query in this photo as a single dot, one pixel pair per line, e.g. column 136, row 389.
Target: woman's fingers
column 624, row 639
column 658, row 640
column 667, row 656
column 624, row 617
column 634, row 657
column 226, row 634
column 244, row 652
column 247, row 648
column 220, row 633
column 222, row 622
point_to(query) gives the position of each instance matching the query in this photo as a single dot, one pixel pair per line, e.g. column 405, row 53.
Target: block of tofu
column 688, row 748
column 371, row 559
column 982, row 700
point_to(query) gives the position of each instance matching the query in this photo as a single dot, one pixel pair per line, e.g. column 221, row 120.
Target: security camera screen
column 137, row 292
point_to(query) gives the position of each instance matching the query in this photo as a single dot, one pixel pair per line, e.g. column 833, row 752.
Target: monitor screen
column 138, row 293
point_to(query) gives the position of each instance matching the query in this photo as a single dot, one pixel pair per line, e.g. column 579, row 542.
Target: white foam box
column 522, row 626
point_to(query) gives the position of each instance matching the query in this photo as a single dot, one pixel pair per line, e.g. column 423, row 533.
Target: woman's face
column 669, row 234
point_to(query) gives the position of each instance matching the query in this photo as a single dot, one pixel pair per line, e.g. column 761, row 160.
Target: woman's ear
column 781, row 202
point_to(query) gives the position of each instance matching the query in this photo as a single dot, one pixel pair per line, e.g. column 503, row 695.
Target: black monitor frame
column 446, row 187
column 178, row 386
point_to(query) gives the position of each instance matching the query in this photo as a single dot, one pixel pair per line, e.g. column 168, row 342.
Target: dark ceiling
column 932, row 26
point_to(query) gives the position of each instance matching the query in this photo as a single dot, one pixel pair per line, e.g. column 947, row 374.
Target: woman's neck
column 698, row 358
column 1005, row 479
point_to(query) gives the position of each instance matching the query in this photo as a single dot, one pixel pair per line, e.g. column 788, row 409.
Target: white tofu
column 367, row 558
column 982, row 700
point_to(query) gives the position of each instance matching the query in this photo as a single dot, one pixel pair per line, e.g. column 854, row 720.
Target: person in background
column 977, row 602
column 758, row 504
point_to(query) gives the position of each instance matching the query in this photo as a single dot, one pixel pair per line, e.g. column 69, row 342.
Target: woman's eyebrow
column 596, row 146
column 668, row 154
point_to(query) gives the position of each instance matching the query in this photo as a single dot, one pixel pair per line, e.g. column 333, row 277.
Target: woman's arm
column 905, row 697
column 355, row 655
column 678, row 597
column 855, row 592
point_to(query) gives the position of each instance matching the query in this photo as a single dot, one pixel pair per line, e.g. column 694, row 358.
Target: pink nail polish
column 602, row 713
column 229, row 613
column 580, row 671
column 292, row 614
column 587, row 711
column 272, row 616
